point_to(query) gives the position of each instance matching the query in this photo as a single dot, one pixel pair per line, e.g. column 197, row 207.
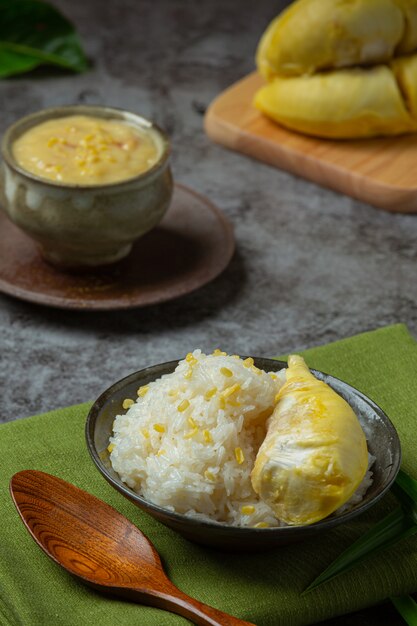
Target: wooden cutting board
column 380, row 171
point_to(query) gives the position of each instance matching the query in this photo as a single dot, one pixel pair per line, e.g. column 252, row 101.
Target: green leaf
column 34, row 33
column 11, row 63
column 397, row 525
column 405, row 489
column 407, row 608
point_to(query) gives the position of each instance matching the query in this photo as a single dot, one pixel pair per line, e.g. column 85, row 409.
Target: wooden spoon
column 93, row 541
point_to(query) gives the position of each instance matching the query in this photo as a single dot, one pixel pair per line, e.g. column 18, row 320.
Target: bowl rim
column 326, row 523
column 116, row 113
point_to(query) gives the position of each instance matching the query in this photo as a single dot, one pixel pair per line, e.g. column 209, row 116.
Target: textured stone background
column 311, row 266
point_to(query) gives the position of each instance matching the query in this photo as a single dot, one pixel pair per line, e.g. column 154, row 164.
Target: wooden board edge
column 388, row 198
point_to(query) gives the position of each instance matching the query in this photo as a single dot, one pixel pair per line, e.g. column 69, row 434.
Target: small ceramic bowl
column 80, row 226
column 383, row 443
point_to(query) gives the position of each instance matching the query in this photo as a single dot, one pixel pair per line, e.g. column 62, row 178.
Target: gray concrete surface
column 311, row 266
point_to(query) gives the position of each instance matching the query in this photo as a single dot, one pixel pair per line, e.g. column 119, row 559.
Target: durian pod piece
column 405, row 70
column 343, row 104
column 314, row 455
column 313, row 35
column 408, row 41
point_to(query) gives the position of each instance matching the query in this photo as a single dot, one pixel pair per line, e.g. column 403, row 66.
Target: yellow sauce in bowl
column 86, row 150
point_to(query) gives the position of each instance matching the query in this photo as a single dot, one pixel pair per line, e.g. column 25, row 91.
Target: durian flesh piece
column 344, row 103
column 313, row 35
column 408, row 41
column 336, row 68
column 405, row 72
column 314, row 455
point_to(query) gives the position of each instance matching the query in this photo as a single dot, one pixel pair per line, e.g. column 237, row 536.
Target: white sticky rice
column 189, row 441
column 198, row 460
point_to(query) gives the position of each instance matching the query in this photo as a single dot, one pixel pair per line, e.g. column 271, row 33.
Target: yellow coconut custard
column 86, row 150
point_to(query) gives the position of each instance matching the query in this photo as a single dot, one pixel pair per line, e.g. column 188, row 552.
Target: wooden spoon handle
column 178, row 602
column 202, row 614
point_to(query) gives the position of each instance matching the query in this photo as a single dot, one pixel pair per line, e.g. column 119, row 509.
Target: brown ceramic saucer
column 191, row 246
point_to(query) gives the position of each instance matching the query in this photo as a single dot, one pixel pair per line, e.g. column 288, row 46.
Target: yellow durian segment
column 405, row 70
column 314, row 455
column 313, row 35
column 340, row 104
column 408, row 41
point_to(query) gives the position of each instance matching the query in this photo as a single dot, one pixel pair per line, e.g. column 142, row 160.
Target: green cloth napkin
column 263, row 588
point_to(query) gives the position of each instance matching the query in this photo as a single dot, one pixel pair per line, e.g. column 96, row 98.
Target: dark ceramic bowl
column 382, row 438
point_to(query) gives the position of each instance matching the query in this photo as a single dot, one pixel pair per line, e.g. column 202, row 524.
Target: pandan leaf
column 388, row 531
column 407, row 608
column 397, row 525
column 34, row 33
column 405, row 489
